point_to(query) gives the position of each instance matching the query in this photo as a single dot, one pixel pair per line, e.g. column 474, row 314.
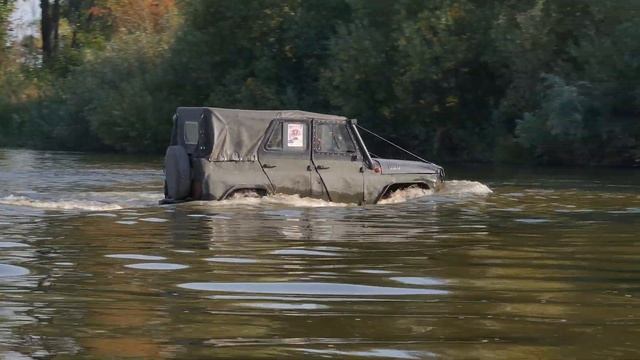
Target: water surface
column 546, row 266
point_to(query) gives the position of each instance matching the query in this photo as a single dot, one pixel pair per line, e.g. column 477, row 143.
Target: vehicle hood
column 391, row 166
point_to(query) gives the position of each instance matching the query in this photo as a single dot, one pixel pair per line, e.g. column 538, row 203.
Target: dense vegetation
column 546, row 81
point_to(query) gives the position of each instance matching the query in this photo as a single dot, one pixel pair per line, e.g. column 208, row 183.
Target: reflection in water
column 374, row 353
column 12, row 270
column 544, row 267
column 232, row 260
column 157, row 266
column 308, row 288
column 136, row 257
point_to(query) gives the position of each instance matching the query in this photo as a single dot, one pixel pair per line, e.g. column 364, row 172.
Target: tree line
column 525, row 81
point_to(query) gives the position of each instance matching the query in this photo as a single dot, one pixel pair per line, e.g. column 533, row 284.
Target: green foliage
column 417, row 72
column 120, row 96
column 558, row 125
column 493, row 80
column 264, row 54
column 592, row 118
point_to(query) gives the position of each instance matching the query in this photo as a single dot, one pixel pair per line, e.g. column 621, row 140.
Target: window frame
column 356, row 151
column 188, row 127
column 280, row 124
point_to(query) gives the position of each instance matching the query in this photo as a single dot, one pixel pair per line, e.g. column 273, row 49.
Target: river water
column 545, row 266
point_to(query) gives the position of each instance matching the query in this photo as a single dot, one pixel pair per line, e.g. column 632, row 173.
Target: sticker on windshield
column 295, row 135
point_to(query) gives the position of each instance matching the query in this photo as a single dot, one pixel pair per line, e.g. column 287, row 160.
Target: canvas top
column 236, row 134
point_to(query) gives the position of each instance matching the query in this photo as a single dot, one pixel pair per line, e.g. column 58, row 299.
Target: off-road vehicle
column 215, row 153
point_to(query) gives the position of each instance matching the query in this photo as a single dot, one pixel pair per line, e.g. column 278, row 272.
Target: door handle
column 268, row 166
column 322, row 167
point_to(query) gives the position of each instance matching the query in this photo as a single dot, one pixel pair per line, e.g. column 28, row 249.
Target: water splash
column 58, row 204
column 276, row 199
column 84, row 201
column 114, row 200
column 405, row 195
column 450, row 188
column 464, row 187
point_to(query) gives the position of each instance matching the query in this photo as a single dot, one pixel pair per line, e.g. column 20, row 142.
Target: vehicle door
column 285, row 156
column 337, row 159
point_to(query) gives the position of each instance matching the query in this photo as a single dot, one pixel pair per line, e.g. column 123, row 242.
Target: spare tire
column 177, row 172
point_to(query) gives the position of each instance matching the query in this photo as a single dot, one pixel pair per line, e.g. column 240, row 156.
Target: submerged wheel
column 246, row 193
column 177, row 171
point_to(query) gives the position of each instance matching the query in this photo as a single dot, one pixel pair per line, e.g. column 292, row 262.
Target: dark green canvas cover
column 237, row 134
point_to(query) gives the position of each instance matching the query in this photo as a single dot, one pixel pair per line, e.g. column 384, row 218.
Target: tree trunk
column 55, row 19
column 49, row 29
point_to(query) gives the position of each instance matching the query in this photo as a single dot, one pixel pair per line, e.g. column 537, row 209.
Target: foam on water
column 87, row 201
column 276, row 199
column 450, row 188
column 114, row 200
column 464, row 187
column 58, row 204
column 405, row 195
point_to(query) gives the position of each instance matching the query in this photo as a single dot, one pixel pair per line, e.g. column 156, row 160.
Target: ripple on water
column 102, row 215
column 232, row 260
column 11, row 244
column 374, row 271
column 126, row 222
column 285, row 306
column 7, row 270
column 157, row 266
column 373, row 353
column 136, row 257
column 154, row 220
column 533, row 221
column 307, row 288
column 409, row 280
column 304, row 252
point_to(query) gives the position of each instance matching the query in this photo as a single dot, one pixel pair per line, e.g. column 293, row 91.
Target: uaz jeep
column 216, row 153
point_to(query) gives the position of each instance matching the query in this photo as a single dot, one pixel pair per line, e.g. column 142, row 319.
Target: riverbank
column 537, row 83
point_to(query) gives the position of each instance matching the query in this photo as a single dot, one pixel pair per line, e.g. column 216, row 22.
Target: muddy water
column 546, row 266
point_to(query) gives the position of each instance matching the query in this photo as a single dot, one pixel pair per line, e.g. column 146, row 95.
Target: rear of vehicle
column 191, row 139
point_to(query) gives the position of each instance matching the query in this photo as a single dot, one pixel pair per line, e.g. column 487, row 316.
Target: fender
column 399, row 186
column 233, row 189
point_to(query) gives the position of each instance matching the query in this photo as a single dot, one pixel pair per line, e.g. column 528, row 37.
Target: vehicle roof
column 237, row 133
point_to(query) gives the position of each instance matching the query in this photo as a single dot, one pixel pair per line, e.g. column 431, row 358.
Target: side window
column 275, row 141
column 288, row 136
column 296, row 135
column 333, row 138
